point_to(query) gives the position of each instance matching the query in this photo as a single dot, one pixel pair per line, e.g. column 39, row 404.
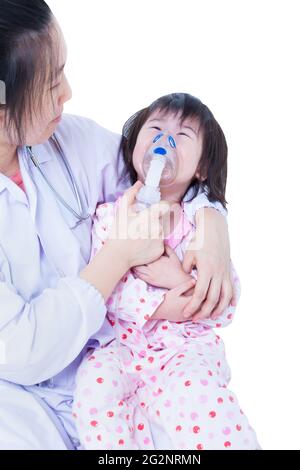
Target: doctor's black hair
column 213, row 163
column 27, row 60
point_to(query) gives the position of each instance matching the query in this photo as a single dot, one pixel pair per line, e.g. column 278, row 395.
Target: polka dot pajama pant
column 184, row 392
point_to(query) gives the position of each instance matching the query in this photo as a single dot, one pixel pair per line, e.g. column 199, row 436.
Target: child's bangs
column 187, row 107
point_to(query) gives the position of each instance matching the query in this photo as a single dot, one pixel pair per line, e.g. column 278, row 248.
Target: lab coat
column 48, row 315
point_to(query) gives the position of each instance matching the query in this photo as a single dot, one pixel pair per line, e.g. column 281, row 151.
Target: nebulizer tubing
column 159, row 169
column 160, row 166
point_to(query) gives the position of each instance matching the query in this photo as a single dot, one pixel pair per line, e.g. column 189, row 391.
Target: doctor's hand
column 138, row 236
column 209, row 252
column 134, row 239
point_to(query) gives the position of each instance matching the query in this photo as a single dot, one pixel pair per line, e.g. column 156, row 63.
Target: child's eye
column 182, row 133
column 155, row 127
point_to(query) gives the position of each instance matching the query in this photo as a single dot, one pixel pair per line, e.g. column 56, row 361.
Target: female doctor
column 53, row 172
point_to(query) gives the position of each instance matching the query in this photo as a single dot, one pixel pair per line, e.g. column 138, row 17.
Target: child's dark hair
column 214, row 154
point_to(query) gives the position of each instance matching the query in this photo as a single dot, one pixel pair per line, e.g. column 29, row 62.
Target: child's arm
column 138, row 302
column 166, row 272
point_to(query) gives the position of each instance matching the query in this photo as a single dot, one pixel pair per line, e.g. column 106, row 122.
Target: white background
column 240, row 57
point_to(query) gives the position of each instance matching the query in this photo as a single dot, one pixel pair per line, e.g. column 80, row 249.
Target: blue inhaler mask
column 159, row 167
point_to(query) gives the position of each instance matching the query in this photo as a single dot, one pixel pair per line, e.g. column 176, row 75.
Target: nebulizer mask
column 160, row 165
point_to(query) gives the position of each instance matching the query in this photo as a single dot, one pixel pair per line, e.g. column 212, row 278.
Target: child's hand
column 175, row 301
column 166, row 272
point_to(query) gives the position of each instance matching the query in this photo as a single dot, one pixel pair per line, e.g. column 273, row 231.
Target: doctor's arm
column 38, row 339
column 209, row 252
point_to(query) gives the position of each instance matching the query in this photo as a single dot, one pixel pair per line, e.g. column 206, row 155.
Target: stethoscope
column 81, row 215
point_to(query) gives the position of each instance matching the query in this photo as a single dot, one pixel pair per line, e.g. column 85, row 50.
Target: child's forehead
column 164, row 116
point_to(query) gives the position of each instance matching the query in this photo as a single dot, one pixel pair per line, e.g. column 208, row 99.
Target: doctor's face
column 56, row 94
column 48, row 104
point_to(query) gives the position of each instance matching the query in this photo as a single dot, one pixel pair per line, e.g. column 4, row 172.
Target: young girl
column 170, row 374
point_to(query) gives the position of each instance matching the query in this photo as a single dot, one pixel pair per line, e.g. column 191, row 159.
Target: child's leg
column 194, row 406
column 104, row 404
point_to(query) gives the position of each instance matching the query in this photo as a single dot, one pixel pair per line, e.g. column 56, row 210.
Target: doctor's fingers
column 141, row 270
column 151, row 220
column 129, row 197
column 212, row 299
column 184, row 287
column 147, row 251
column 126, row 203
column 226, row 297
column 200, row 293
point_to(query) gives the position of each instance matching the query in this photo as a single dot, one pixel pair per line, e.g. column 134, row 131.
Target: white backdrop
column 240, row 57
